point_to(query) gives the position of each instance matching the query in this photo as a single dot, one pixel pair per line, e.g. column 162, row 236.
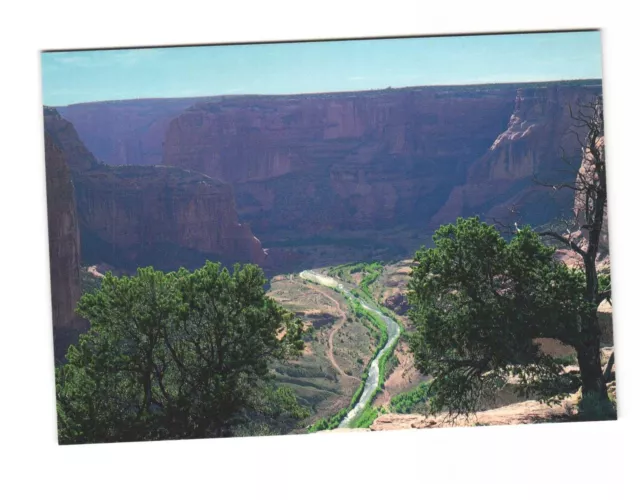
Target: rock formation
column 151, row 215
column 162, row 216
column 63, row 133
column 359, row 175
column 537, row 143
column 318, row 163
column 64, row 248
column 418, row 157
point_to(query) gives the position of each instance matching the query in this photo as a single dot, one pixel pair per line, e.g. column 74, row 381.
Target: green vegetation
column 332, row 422
column 372, row 321
column 366, row 417
column 178, row 355
column 478, row 302
column 391, row 364
column 370, row 273
column 378, row 328
column 385, row 364
column 411, row 401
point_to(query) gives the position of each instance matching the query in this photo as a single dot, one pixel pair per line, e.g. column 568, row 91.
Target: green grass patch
column 408, row 402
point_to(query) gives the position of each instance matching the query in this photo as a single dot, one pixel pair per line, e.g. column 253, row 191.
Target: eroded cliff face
column 346, row 161
column 161, row 216
column 64, row 248
column 538, row 143
column 359, row 175
column 151, row 215
column 316, row 164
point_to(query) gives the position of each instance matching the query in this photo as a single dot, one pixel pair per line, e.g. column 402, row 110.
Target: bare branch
column 570, row 243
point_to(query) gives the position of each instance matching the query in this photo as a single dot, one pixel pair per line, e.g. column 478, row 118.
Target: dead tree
column 583, row 235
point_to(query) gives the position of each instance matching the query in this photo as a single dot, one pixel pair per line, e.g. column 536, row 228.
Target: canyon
column 300, row 181
column 357, row 175
column 293, row 182
column 129, row 217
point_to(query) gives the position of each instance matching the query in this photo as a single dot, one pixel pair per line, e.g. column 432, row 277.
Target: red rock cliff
column 64, row 248
column 537, row 137
column 314, row 163
column 151, row 215
column 161, row 216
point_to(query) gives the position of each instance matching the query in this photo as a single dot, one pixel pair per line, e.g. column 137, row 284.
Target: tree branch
column 566, row 241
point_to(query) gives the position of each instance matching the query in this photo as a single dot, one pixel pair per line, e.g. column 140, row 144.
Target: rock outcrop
column 164, row 216
column 64, row 248
column 537, row 144
column 63, row 133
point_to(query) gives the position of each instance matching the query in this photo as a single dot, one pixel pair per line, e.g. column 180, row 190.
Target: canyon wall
column 538, row 144
column 64, row 248
column 151, row 215
column 162, row 216
column 63, row 133
column 314, row 164
column 417, row 157
column 125, row 132
column 358, row 169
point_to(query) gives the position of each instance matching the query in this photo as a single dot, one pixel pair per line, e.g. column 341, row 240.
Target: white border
column 549, row 461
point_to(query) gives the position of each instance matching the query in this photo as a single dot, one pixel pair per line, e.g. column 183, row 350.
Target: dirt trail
column 340, row 324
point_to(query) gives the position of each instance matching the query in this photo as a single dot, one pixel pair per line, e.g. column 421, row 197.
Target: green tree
column 479, row 302
column 178, row 355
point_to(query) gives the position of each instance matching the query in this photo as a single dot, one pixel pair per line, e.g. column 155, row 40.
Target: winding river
column 393, row 331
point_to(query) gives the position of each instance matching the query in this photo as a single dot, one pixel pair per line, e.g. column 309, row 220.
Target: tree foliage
column 479, row 302
column 178, row 355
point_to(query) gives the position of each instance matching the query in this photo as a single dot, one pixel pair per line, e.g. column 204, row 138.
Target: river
column 393, row 331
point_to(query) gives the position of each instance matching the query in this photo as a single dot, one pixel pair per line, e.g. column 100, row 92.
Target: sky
column 292, row 68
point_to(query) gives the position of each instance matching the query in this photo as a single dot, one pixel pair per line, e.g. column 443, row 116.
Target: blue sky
column 99, row 75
